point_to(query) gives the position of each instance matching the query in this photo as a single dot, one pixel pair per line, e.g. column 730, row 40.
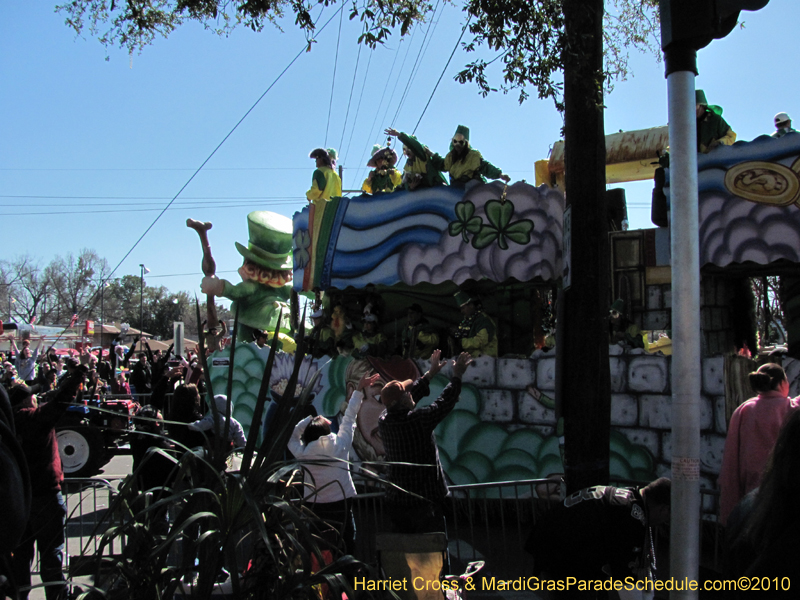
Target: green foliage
column 528, row 36
column 531, row 42
column 212, row 514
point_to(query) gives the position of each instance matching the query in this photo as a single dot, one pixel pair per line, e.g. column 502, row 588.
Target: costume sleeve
column 488, row 170
column 204, row 424
column 412, row 142
column 348, row 425
column 396, row 178
column 427, row 338
column 295, row 444
column 318, row 184
column 240, row 290
column 728, row 138
column 367, row 185
column 237, row 433
column 476, row 342
column 730, row 486
column 438, row 162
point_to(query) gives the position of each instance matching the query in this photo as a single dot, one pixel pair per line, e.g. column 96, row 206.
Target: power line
column 463, row 31
column 350, row 99
column 414, row 68
column 333, row 79
column 210, row 156
column 383, row 95
column 29, row 213
column 358, row 108
column 233, row 198
column 137, row 170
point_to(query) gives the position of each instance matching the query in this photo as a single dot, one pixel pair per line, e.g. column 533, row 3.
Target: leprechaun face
column 251, row 271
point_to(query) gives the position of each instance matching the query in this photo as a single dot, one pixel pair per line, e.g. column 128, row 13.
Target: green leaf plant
column 252, row 520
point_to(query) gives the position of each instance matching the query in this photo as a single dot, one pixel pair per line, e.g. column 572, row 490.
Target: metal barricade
column 88, row 502
column 486, row 521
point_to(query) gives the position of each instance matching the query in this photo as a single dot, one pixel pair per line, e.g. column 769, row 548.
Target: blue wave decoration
column 365, row 211
column 352, row 264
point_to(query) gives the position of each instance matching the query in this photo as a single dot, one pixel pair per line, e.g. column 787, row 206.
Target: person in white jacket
column 235, row 433
column 329, row 485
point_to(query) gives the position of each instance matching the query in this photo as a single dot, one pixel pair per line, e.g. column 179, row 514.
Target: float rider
column 419, row 171
column 325, row 182
column 477, row 333
column 465, row 164
column 383, row 177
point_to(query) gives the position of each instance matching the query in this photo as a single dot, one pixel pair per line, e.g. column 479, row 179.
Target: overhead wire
column 350, row 99
column 333, row 79
column 414, row 67
column 358, row 108
column 210, row 156
column 380, row 103
column 444, row 70
column 377, row 110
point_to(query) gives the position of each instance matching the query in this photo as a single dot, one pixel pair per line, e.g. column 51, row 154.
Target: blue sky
column 93, row 149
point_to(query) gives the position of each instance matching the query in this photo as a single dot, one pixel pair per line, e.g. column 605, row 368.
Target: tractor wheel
column 82, row 451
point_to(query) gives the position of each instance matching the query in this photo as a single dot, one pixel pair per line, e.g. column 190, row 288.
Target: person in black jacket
column 600, row 532
column 35, row 427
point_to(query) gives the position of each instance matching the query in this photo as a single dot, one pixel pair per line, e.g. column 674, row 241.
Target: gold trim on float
column 764, row 182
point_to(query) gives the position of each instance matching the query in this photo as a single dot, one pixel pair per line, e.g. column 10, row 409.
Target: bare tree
column 26, row 287
column 76, row 280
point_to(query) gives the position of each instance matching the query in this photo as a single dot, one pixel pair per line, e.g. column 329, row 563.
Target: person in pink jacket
column 752, row 432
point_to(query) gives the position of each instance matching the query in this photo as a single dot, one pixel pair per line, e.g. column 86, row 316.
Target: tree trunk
column 583, row 383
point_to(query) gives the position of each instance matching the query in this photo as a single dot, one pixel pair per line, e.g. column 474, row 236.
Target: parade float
column 503, row 244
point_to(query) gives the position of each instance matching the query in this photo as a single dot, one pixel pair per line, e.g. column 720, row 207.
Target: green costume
column 325, row 184
column 259, row 305
column 420, row 172
column 711, row 126
column 420, row 340
column 470, row 167
column 478, row 335
column 386, row 182
column 370, row 345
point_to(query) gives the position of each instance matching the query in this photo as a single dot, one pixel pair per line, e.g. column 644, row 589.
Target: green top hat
column 619, row 305
column 463, row 298
column 270, row 242
column 700, row 97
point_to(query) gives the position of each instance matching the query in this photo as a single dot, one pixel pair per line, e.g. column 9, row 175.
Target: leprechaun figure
column 266, row 286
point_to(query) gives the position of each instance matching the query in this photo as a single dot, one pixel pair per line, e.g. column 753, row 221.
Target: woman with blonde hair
column 752, row 432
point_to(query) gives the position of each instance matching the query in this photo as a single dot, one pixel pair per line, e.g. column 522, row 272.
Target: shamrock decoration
column 302, row 245
column 500, row 227
column 465, row 221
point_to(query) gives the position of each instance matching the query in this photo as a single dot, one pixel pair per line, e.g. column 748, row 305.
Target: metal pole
column 141, row 300
column 684, row 533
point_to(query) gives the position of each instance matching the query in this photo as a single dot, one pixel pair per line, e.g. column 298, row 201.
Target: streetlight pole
column 141, row 300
